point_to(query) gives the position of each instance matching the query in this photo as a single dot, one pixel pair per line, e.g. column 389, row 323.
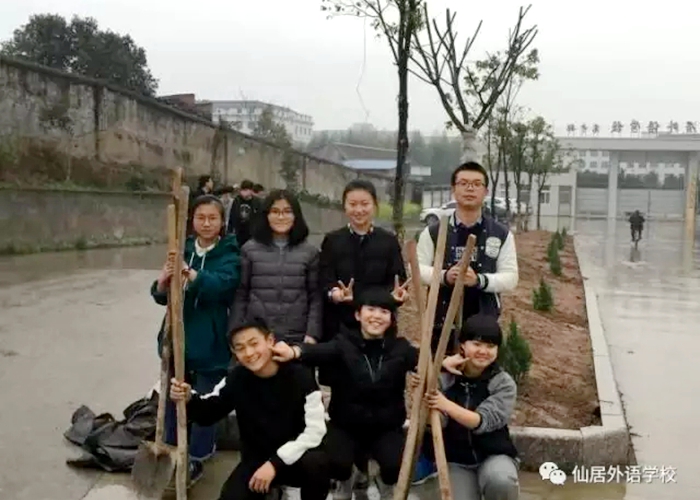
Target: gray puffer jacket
column 280, row 284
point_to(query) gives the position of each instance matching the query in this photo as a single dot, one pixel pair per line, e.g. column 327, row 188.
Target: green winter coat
column 206, row 305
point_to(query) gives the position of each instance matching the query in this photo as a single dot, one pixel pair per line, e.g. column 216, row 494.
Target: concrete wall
column 59, row 127
column 36, row 219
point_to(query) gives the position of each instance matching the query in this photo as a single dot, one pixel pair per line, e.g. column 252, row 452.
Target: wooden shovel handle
column 414, row 436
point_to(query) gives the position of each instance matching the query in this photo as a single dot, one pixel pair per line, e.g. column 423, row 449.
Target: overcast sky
column 601, row 60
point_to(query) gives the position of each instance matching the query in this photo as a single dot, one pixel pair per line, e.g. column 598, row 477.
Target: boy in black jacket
column 280, row 414
column 478, row 399
column 368, row 380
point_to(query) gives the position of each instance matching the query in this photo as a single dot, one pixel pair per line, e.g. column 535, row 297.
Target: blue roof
column 371, row 164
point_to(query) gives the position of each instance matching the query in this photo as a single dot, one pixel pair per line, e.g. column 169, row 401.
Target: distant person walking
column 226, row 195
column 279, row 273
column 259, row 190
column 244, row 209
column 205, row 185
column 636, row 221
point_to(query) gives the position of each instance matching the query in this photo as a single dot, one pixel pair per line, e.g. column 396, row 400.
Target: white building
column 598, row 160
column 244, row 115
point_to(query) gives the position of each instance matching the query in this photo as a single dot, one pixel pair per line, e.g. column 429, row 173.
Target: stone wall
column 48, row 219
column 60, row 127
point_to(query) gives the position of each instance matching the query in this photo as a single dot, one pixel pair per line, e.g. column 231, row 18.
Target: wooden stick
column 178, row 339
column 433, row 378
column 415, row 432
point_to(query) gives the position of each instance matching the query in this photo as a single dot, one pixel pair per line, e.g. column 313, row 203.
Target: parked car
column 432, row 215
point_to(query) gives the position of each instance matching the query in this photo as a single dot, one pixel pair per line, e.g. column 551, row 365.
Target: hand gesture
column 451, row 275
column 188, row 273
column 413, row 381
column 470, row 278
column 167, row 272
column 437, row 401
column 343, row 293
column 261, row 480
column 308, row 339
column 400, row 292
column 282, row 352
column 454, row 364
column 180, row 391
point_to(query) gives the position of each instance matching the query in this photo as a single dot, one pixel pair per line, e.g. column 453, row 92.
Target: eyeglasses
column 469, row 184
column 281, row 213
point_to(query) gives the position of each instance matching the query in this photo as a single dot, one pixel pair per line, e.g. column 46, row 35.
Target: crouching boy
column 280, row 414
column 478, row 399
column 367, row 369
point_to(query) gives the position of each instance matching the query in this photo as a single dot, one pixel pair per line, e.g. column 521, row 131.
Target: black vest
column 490, row 236
column 463, row 445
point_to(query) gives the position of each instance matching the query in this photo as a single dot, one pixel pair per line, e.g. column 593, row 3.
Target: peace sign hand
column 343, row 293
column 400, row 292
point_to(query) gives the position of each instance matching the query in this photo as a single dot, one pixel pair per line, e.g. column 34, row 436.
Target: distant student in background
column 244, row 209
column 259, row 190
column 226, row 195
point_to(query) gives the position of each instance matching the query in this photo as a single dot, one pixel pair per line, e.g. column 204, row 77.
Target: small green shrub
column 542, row 297
column 515, row 355
column 552, row 250
column 555, row 263
column 81, row 243
column 564, row 233
column 386, row 211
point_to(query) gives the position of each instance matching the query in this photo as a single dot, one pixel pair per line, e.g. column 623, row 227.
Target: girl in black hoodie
column 368, row 380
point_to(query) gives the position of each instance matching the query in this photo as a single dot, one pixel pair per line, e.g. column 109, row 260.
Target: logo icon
column 549, row 471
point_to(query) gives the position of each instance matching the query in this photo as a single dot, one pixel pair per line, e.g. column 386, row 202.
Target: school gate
column 656, row 203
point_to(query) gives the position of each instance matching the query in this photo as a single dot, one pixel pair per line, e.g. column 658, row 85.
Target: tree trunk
column 401, row 149
column 469, row 145
column 539, row 204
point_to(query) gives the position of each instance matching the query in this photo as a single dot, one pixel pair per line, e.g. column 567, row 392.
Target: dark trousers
column 345, row 447
column 310, row 473
column 201, row 440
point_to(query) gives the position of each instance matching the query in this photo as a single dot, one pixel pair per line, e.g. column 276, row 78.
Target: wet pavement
column 79, row 328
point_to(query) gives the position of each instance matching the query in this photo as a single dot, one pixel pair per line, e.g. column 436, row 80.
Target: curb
column 599, row 445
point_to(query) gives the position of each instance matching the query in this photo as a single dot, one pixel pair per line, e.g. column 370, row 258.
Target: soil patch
column 560, row 390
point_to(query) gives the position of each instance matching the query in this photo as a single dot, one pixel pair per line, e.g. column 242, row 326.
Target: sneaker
column 386, row 491
column 360, row 485
column 196, row 471
column 425, row 469
column 343, row 490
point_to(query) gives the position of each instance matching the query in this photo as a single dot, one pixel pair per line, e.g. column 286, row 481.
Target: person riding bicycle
column 636, row 221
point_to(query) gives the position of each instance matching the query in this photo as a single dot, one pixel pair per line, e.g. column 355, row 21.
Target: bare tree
column 469, row 92
column 673, row 127
column 596, row 129
column 616, row 127
column 584, row 129
column 518, row 155
column 690, row 127
column 653, row 128
column 398, row 21
column 571, row 129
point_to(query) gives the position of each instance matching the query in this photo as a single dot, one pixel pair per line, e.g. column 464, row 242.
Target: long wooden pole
column 415, row 433
column 178, row 340
column 433, row 377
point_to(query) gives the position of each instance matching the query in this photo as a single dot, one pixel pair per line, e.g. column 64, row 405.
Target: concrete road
column 79, row 328
column 649, row 301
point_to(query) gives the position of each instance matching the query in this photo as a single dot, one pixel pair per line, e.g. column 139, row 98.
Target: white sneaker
column 386, row 492
column 343, row 490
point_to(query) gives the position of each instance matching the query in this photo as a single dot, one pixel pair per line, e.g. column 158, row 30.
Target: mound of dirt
column 560, row 389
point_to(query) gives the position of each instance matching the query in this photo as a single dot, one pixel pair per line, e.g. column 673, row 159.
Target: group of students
column 289, row 312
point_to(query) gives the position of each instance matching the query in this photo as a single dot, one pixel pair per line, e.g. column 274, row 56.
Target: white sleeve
column 426, row 254
column 313, row 433
column 505, row 279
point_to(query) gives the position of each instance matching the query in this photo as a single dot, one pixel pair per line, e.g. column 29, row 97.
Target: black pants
column 310, row 473
column 345, row 447
column 636, row 230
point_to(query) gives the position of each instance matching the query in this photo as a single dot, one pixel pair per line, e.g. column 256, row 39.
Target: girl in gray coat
column 279, row 273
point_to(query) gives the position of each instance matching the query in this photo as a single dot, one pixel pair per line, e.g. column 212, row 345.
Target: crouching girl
column 367, row 367
column 478, row 399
